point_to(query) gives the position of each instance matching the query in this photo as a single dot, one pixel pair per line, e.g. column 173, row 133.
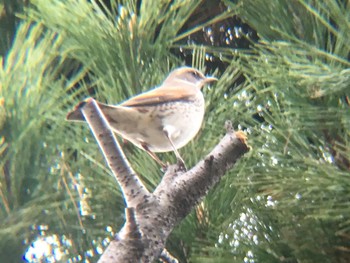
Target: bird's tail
column 77, row 115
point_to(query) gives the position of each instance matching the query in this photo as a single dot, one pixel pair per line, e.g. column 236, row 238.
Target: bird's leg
column 180, row 161
column 154, row 156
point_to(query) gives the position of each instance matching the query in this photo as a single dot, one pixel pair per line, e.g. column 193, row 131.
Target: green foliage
column 55, row 187
column 287, row 200
column 8, row 22
column 291, row 198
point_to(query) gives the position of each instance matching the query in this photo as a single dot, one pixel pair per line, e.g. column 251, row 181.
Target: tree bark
column 150, row 217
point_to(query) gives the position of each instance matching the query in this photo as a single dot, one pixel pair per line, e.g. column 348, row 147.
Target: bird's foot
column 181, row 164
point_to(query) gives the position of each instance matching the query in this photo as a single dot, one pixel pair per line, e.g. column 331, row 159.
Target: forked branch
column 150, row 217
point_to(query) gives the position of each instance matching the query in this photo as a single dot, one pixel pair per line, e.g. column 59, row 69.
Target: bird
column 163, row 119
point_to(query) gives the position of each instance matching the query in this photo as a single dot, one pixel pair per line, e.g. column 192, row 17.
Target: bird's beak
column 210, row 79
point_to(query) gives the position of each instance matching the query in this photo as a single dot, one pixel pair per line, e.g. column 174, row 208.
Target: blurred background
column 283, row 69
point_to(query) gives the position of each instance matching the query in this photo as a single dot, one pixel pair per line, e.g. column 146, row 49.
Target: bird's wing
column 163, row 94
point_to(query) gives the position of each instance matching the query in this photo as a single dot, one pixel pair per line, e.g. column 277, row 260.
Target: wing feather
column 180, row 91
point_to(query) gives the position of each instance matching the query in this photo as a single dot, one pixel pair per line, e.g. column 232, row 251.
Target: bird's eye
column 195, row 74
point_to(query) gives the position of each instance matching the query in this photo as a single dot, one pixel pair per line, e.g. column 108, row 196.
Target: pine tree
column 285, row 201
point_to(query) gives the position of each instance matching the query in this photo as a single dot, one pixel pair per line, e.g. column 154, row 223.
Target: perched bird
column 163, row 119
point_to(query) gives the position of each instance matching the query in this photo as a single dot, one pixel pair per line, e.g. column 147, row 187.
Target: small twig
column 130, row 228
column 228, row 126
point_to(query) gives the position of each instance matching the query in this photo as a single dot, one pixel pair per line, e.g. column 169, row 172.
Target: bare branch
column 132, row 187
column 150, row 218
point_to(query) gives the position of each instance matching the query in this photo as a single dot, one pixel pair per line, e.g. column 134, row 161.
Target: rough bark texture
column 150, row 217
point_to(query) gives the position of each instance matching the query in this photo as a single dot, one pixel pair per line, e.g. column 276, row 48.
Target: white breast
column 182, row 126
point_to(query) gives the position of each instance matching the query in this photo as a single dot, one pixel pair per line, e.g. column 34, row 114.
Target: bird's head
column 191, row 75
